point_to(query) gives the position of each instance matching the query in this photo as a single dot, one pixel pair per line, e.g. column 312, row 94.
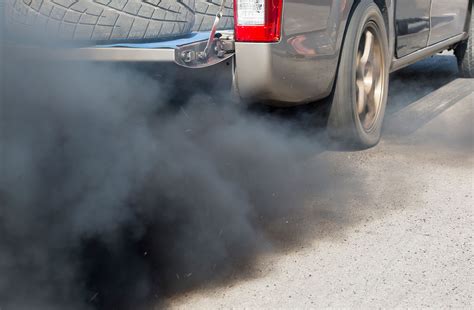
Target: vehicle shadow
column 414, row 82
column 421, row 92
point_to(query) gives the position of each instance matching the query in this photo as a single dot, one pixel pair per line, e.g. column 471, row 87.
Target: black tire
column 206, row 12
column 464, row 54
column 344, row 124
column 100, row 20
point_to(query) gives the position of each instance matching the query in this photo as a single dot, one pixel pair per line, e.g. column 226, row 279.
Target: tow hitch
column 219, row 47
column 203, row 54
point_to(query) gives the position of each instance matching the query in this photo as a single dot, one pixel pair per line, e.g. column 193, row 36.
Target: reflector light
column 251, row 12
column 257, row 20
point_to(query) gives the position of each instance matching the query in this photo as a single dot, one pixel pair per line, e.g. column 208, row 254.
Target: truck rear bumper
column 260, row 71
column 180, row 51
column 273, row 73
column 160, row 60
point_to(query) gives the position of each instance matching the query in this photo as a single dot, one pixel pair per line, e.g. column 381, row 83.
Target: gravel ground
column 404, row 237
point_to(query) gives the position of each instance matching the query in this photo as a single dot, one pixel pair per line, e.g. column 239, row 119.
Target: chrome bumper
column 183, row 51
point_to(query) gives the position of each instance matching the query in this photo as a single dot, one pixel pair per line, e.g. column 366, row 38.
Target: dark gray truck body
column 302, row 66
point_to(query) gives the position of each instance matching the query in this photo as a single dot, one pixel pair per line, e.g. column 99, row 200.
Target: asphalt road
column 404, row 237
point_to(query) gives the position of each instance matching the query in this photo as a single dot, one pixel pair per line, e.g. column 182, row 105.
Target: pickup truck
column 281, row 52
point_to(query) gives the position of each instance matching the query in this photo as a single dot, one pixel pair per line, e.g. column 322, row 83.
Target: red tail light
column 257, row 20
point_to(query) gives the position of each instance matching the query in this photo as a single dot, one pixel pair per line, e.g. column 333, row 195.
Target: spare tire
column 206, row 11
column 101, row 20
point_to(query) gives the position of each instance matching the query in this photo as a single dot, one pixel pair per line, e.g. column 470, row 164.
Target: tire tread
column 102, row 19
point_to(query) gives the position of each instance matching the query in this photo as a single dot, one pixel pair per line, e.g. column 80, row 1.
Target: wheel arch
column 388, row 13
column 387, row 7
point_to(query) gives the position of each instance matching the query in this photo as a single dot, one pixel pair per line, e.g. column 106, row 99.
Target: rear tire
column 100, row 20
column 360, row 95
column 464, row 54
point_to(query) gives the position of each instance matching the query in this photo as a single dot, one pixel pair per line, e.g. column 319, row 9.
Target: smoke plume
column 111, row 197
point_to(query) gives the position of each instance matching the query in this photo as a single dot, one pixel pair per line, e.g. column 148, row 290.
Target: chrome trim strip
column 106, row 54
column 121, row 54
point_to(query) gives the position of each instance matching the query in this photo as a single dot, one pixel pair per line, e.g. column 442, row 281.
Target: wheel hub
column 369, row 77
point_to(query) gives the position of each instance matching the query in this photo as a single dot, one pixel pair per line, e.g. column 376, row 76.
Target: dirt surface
column 403, row 237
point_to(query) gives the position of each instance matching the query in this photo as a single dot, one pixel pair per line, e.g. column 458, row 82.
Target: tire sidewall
column 348, row 122
column 464, row 52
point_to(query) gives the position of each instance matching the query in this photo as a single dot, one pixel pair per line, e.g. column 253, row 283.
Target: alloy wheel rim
column 370, row 75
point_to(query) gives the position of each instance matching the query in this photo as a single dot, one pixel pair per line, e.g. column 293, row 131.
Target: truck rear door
column 412, row 25
column 448, row 18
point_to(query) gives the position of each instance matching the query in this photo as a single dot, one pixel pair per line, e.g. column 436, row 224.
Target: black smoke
column 111, row 199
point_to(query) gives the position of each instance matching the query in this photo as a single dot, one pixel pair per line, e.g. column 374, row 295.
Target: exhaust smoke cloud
column 110, row 200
